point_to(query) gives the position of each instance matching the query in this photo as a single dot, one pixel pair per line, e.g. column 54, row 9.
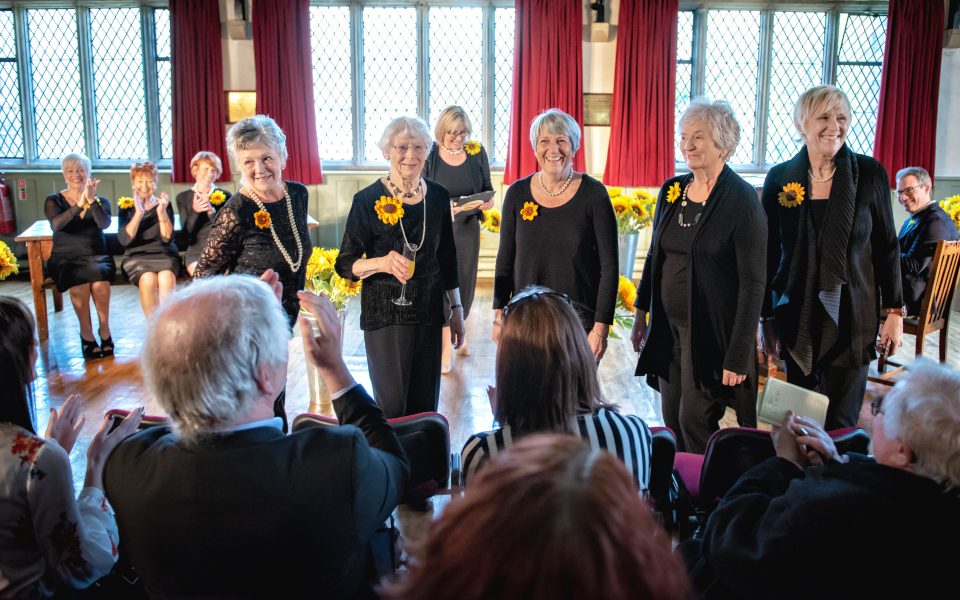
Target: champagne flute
column 409, row 253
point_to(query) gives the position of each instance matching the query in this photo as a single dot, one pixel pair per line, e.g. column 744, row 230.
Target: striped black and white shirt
column 625, row 436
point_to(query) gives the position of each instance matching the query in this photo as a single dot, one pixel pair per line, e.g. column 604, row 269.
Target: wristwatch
column 900, row 311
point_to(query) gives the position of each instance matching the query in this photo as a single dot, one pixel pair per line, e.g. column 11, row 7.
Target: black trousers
column 404, row 363
column 694, row 411
column 845, row 386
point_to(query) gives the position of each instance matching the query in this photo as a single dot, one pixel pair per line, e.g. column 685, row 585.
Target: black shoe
column 90, row 349
column 106, row 346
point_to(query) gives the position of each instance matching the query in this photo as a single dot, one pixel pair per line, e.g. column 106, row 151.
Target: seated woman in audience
column 145, row 230
column 547, row 381
column 79, row 263
column 199, row 205
column 48, row 538
column 550, row 518
column 788, row 531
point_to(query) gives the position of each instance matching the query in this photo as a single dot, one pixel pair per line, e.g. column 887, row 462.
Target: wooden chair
column 937, row 300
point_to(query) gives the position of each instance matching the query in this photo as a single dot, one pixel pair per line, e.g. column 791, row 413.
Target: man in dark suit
column 927, row 225
column 224, row 504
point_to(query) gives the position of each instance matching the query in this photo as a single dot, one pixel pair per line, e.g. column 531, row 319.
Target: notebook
column 779, row 396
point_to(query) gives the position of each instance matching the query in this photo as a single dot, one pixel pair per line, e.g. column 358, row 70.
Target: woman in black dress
column 702, row 284
column 198, row 206
column 464, row 169
column 79, row 263
column 397, row 212
column 145, row 230
column 264, row 225
column 559, row 231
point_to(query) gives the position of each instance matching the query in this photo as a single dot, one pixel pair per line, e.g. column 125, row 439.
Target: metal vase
column 321, row 401
column 627, row 246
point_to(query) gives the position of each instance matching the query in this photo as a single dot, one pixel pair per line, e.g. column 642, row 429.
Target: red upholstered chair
column 116, row 415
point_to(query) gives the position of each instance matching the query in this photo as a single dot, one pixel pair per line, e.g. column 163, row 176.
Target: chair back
column 850, row 439
column 117, row 415
column 730, row 453
column 661, row 466
column 941, row 285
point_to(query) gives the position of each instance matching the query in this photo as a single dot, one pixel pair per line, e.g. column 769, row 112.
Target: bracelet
column 765, row 319
column 899, row 311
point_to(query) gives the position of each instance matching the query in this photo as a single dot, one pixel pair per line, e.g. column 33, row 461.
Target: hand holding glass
column 409, row 253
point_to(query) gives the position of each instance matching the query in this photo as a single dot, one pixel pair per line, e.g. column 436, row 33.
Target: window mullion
column 25, row 76
column 359, row 128
column 148, row 44
column 88, row 97
column 423, row 61
column 701, row 18
column 831, row 42
column 763, row 87
column 489, row 74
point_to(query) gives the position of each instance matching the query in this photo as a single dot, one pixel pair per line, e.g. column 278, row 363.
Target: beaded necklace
column 294, row 266
column 423, row 235
column 683, row 206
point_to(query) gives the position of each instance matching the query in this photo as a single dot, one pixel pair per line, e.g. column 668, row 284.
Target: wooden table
column 39, row 240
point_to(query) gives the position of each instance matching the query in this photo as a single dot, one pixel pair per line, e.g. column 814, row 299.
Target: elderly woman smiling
column 398, row 214
column 264, row 225
column 703, row 284
column 559, row 231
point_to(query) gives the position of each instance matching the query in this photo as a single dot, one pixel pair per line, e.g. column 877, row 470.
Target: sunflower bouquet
column 322, row 278
column 491, row 220
column 625, row 311
column 634, row 210
column 8, row 262
column 951, row 206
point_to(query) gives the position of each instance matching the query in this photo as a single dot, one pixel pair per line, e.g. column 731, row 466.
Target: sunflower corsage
column 389, row 210
column 8, row 261
column 262, row 219
column 673, row 192
column 529, row 211
column 217, row 198
column 124, row 202
column 491, row 220
column 472, row 147
column 792, row 195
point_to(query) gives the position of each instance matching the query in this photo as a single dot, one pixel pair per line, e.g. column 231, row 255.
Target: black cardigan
column 725, row 286
column 870, row 269
column 918, row 243
column 479, row 166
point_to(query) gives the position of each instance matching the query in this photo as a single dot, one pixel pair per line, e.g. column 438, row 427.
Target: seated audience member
column 199, row 204
column 550, row 518
column 49, row 538
column 927, row 225
column 225, row 504
column 546, row 377
column 855, row 527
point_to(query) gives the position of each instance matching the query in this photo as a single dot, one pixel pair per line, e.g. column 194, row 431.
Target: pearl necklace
column 449, row 151
column 294, row 266
column 563, row 188
column 814, row 177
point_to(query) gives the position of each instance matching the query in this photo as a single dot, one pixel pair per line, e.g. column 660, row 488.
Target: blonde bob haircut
column 557, row 122
column 819, row 99
column 448, row 119
column 205, row 156
column 76, row 158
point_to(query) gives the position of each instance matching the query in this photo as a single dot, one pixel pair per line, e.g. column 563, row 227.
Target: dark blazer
column 785, row 533
column 726, row 282
column 196, row 225
column 257, row 513
column 479, row 165
column 865, row 254
column 918, row 243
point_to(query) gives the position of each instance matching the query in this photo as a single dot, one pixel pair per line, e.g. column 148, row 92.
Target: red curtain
column 281, row 47
column 198, row 99
column 547, row 73
column 910, row 86
column 641, row 118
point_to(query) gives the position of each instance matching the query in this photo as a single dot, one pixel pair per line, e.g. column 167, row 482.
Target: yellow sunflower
column 951, row 206
column 491, row 220
column 217, row 198
column 628, row 293
column 346, row 286
column 262, row 219
column 472, row 147
column 674, row 192
column 529, row 211
column 124, row 202
column 620, row 205
column 321, row 259
column 792, row 195
column 389, row 210
column 8, row 262
column 640, row 210
column 614, row 191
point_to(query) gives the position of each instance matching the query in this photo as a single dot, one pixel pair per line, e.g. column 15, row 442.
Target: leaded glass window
column 11, row 130
column 859, row 69
column 164, row 80
column 684, row 68
column 456, row 63
column 332, row 82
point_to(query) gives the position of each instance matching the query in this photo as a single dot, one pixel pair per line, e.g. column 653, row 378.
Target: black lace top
column 74, row 235
column 237, row 245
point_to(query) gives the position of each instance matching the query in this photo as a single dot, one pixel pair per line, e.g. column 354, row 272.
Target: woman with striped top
column 547, row 382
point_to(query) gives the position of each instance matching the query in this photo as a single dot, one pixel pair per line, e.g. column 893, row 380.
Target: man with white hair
column 810, row 523
column 224, row 504
column 927, row 225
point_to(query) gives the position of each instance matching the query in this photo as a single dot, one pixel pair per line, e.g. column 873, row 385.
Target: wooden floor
column 116, row 382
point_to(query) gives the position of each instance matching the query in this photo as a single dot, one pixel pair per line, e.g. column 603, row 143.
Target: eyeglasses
column 876, row 407
column 908, row 191
column 417, row 150
column 456, row 134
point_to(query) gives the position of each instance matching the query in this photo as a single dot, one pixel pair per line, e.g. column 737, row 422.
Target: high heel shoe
column 106, row 346
column 90, row 349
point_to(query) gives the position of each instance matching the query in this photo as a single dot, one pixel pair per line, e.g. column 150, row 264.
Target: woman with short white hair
column 264, row 225
column 79, row 263
column 558, row 230
column 397, row 214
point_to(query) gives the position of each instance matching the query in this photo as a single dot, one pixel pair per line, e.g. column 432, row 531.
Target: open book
column 779, row 396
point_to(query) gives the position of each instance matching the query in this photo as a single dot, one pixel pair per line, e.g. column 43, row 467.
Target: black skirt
column 68, row 271
column 136, row 265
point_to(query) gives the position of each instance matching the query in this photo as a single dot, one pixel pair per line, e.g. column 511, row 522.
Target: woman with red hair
column 150, row 259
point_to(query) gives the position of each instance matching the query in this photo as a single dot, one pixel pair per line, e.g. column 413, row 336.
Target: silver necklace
column 294, row 266
column 423, row 233
column 683, row 205
column 814, row 177
column 449, row 151
column 563, row 188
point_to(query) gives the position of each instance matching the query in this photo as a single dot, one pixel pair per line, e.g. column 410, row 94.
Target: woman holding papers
column 464, row 169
